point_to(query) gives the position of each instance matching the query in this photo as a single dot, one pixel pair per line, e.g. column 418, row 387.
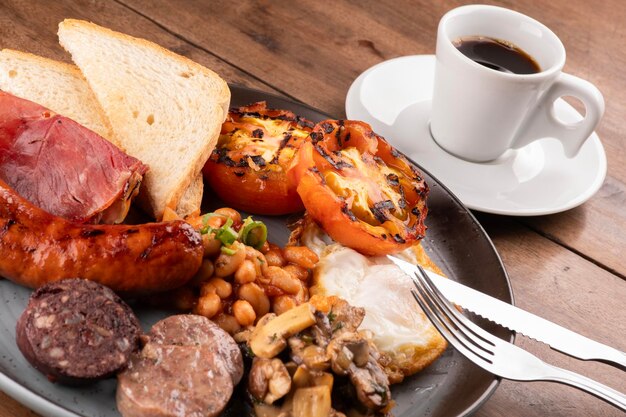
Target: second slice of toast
column 56, row 85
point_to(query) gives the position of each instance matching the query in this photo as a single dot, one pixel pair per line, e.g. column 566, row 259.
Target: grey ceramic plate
column 450, row 387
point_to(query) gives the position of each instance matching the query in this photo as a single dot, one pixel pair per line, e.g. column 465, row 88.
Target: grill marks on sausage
column 38, row 247
column 91, row 232
column 6, row 226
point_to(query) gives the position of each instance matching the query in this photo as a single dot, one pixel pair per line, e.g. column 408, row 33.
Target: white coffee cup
column 478, row 113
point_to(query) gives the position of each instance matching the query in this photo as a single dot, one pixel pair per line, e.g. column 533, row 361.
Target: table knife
column 557, row 337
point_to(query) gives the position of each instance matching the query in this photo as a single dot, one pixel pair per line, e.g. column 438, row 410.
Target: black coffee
column 497, row 54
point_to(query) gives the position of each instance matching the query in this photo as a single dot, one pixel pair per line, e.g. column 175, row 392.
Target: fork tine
column 485, row 340
column 447, row 330
column 443, row 329
column 477, row 334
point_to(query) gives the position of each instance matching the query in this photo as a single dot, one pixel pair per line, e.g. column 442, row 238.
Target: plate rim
column 44, row 406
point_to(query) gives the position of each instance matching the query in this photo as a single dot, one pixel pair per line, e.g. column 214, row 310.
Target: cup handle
column 542, row 122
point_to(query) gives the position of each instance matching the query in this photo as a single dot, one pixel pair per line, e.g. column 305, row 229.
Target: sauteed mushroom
column 268, row 380
column 268, row 339
column 322, row 336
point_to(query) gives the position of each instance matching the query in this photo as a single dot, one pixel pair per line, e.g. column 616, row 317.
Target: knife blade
column 557, row 337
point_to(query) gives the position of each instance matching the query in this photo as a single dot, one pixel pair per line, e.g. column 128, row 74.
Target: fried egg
column 399, row 328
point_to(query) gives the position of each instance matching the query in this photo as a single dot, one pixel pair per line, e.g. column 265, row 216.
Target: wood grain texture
column 11, row 408
column 567, row 267
column 325, row 46
column 32, row 27
column 560, row 286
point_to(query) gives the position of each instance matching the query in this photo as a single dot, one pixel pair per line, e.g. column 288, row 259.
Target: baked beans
column 228, row 212
column 228, row 323
column 257, row 298
column 300, row 255
column 226, row 264
column 246, row 272
column 283, row 303
column 238, row 284
column 208, row 305
column 244, row 313
column 274, row 257
column 283, row 280
column 218, row 286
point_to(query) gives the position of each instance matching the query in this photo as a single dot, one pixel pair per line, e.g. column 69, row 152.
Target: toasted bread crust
column 72, row 36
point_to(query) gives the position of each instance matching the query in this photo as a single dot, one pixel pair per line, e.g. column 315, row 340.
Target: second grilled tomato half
column 247, row 168
column 359, row 189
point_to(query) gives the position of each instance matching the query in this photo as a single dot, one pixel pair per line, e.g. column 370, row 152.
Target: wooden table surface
column 567, row 267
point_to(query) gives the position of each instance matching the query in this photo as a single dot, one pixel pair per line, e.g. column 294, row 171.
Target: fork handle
column 583, row 383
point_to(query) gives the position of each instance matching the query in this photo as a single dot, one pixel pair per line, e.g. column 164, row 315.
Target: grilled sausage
column 37, row 247
column 76, row 331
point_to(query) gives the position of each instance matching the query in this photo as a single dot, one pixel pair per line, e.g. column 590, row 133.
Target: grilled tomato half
column 247, row 168
column 359, row 189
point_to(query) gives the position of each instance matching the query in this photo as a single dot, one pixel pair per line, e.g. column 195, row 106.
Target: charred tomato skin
column 247, row 169
column 359, row 189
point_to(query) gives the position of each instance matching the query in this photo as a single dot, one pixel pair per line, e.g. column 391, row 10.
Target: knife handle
column 613, row 357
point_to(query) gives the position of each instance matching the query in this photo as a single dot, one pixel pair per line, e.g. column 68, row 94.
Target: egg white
column 399, row 328
column 392, row 314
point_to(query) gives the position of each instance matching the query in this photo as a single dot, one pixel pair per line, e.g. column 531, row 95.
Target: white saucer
column 394, row 97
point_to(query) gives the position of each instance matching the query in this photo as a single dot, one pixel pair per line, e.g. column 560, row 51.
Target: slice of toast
column 56, row 85
column 165, row 109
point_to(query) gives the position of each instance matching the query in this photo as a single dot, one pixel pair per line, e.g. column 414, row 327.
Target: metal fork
column 495, row 355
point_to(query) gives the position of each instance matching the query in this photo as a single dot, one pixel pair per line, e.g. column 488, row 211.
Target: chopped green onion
column 228, row 251
column 226, row 234
column 253, row 233
column 246, row 222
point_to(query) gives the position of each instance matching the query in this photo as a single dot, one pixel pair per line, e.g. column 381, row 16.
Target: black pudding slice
column 76, row 331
